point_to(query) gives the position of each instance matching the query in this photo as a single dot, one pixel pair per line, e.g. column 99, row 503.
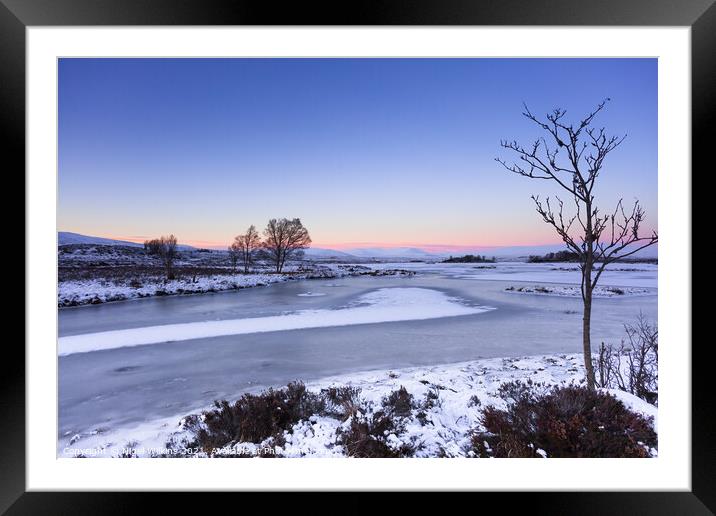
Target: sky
column 366, row 152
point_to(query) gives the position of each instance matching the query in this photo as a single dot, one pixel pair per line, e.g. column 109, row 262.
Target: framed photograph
column 379, row 248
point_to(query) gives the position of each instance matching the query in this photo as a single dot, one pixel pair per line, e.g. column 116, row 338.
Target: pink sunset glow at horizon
column 343, row 246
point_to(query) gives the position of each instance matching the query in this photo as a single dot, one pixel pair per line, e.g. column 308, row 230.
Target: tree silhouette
column 283, row 239
column 573, row 157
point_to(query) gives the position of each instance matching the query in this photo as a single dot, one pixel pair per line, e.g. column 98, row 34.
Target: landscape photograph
column 357, row 258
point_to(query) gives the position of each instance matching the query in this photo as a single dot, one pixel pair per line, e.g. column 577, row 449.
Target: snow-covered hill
column 69, row 238
column 391, row 253
column 319, row 253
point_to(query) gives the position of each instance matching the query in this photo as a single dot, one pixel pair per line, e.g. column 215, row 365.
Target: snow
column 462, row 389
column 102, row 442
column 571, row 291
column 313, row 438
column 102, row 290
column 75, row 289
column 642, row 275
column 311, row 294
column 382, row 305
column 93, row 291
column 635, row 403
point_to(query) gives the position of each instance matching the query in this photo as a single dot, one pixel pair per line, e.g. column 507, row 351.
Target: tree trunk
column 283, row 260
column 587, row 297
column 586, row 331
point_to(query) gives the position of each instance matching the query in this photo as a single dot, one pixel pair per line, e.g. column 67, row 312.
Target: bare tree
column 633, row 365
column 234, row 250
column 244, row 247
column 573, row 157
column 167, row 250
column 152, row 246
column 285, row 238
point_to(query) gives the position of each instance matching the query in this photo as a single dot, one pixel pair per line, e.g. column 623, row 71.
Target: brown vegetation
column 561, row 422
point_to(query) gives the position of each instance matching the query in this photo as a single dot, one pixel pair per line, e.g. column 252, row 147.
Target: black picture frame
column 17, row 15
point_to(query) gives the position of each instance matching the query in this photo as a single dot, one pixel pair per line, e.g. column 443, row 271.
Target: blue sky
column 364, row 151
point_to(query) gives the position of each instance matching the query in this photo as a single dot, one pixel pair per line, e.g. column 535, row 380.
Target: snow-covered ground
column 572, row 291
column 95, row 291
column 102, row 290
column 382, row 305
column 458, row 392
column 643, row 275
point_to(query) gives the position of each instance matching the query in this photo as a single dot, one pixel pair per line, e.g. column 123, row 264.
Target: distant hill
column 318, row 253
column 392, row 252
column 68, row 238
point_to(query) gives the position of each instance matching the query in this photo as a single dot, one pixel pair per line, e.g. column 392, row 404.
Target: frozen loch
column 128, row 363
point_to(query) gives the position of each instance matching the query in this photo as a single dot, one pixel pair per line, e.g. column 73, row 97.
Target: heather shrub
column 432, row 399
column 633, row 364
column 368, row 436
column 376, row 435
column 399, row 402
column 256, row 417
column 342, row 402
column 567, row 421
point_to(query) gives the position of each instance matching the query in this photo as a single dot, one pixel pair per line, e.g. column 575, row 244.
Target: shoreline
column 74, row 293
column 80, row 293
column 459, row 389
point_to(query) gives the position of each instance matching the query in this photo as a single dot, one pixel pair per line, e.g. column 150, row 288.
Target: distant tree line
column 470, row 258
column 569, row 256
column 559, row 256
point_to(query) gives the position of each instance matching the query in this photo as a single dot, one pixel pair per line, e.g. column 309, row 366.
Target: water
column 117, row 387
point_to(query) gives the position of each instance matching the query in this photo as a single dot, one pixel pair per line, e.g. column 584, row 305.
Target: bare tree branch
column 574, row 162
